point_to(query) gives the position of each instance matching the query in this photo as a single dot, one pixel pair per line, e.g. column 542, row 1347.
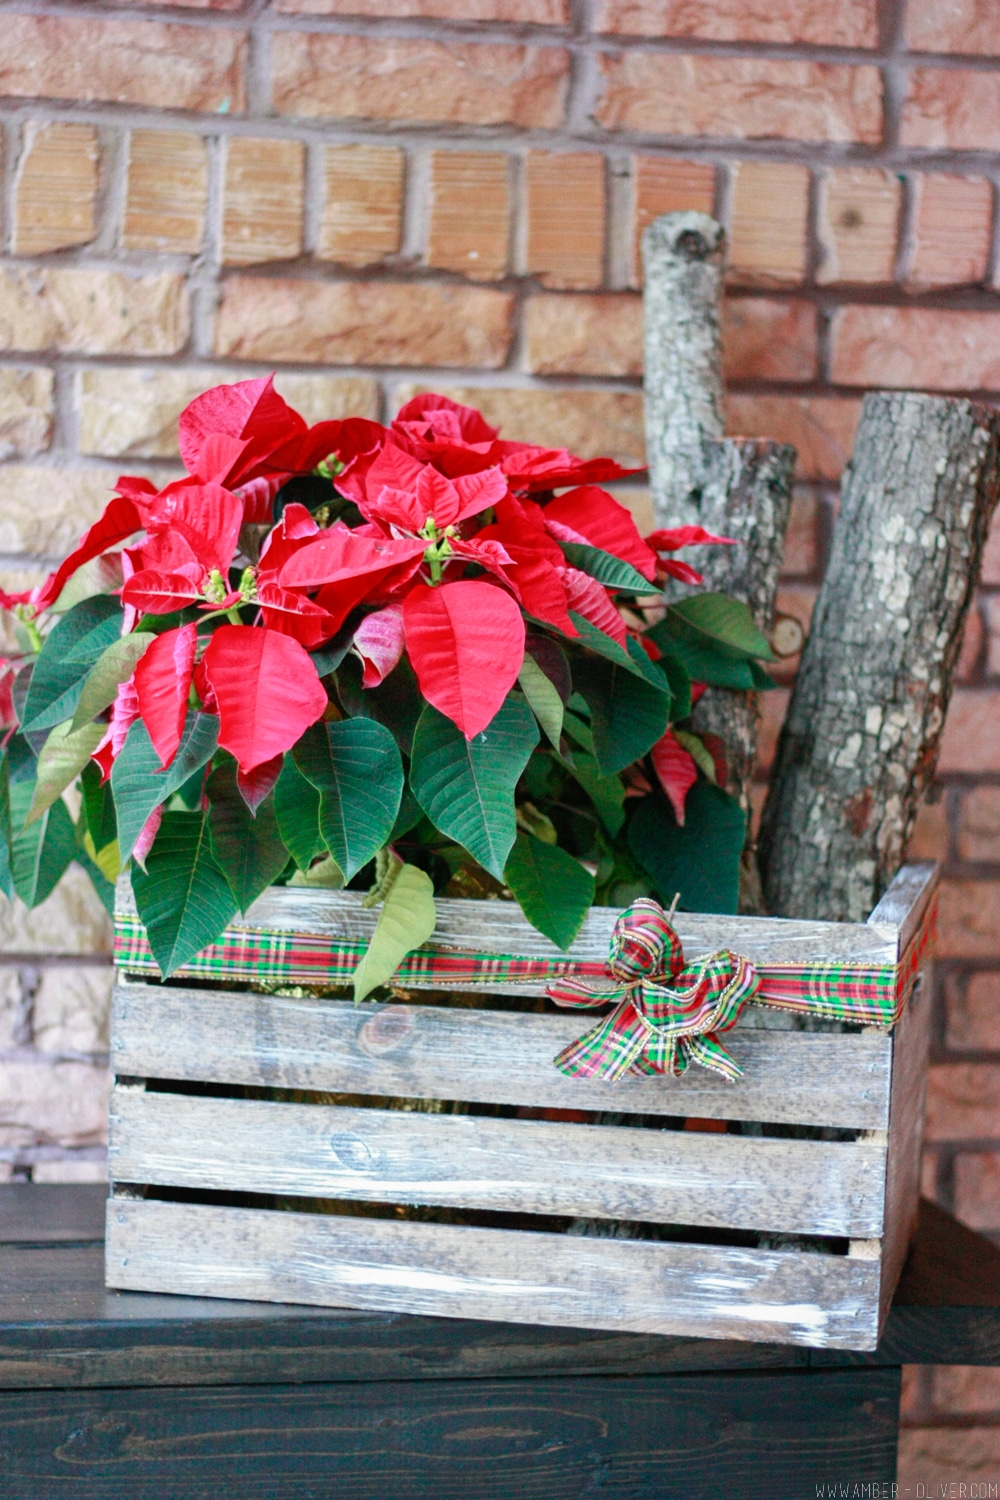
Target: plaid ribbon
column 668, row 1013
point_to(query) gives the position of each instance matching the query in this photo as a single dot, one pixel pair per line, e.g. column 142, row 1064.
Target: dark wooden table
column 136, row 1397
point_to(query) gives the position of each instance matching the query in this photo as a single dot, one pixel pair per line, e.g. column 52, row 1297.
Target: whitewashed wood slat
column 480, row 1056
column 514, row 1166
column 905, row 902
column 696, row 1291
column 911, row 1041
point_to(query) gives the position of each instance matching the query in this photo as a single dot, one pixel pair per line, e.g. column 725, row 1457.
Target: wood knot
column 386, row 1029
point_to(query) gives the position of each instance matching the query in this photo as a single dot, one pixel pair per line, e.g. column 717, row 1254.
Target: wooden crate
column 772, row 1238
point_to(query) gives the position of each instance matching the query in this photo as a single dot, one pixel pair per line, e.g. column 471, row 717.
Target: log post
column 860, row 742
column 740, row 488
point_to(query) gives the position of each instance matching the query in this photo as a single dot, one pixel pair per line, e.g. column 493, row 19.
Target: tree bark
column 860, row 743
column 684, row 260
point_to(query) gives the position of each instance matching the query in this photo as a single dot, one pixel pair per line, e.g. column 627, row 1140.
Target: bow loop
column 668, row 1013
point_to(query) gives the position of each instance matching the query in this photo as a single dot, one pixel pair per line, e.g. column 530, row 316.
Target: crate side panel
column 512, row 1166
column 481, row 1056
column 911, row 1042
column 495, row 1275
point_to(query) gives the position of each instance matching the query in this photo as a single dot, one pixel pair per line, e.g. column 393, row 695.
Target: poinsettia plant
column 408, row 660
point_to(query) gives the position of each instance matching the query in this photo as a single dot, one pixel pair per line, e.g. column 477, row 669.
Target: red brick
column 362, row 213
column 930, row 1458
column 150, row 63
column 977, row 1195
column 963, row 1101
column 797, row 600
column 991, row 553
column 973, row 1012
column 741, row 97
column 263, row 201
column 952, row 108
column 767, row 231
column 992, row 604
column 565, row 207
column 801, row 538
column 967, row 666
column 666, row 185
column 187, row 5
column 979, row 824
column 951, row 229
column 858, row 217
column 966, row 1389
column 849, row 23
column 362, row 322
column 969, row 919
column 763, row 339
column 820, row 427
column 773, row 708
column 376, row 78
column 970, row 744
column 532, row 12
column 916, row 347
column 469, row 228
column 929, row 839
column 911, row 1391
column 955, row 26
column 599, row 334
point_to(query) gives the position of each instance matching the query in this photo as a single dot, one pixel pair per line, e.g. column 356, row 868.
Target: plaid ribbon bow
column 669, row 1012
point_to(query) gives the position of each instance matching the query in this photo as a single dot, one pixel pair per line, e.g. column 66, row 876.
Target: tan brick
column 951, row 229
column 600, row 334
column 391, row 323
column 588, row 423
column 166, row 192
column 953, row 108
column 12, row 1009
column 78, row 311
column 81, row 1169
column 362, row 205
column 154, row 64
column 767, row 233
column 820, row 427
column 71, row 920
column 70, row 1013
column 858, row 219
column 850, row 23
column 45, row 511
column 963, row 1102
column 970, row 743
column 52, row 1104
column 959, row 26
column 25, row 412
column 666, row 185
column 194, row 4
column 979, row 824
column 469, row 229
column 968, row 919
column 915, row 347
column 743, row 97
column 977, row 1203
column 937, row 1457
column 56, row 188
column 764, row 339
column 802, row 536
column 129, row 413
column 962, row 1389
column 386, row 78
column 565, row 207
column 532, row 12
column 973, row 1012
column 929, row 839
column 263, row 200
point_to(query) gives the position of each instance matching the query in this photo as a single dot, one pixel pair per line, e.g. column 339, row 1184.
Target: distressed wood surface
column 479, row 1056
column 906, row 900
column 910, row 1044
column 860, row 742
column 516, row 1166
column 684, row 1437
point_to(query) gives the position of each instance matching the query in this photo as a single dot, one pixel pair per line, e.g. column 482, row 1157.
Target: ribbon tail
column 609, row 1049
column 710, row 1053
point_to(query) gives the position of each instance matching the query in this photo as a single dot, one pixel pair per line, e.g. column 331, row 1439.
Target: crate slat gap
column 863, row 1191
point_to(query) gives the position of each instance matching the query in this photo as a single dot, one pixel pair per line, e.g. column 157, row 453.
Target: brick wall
column 374, row 196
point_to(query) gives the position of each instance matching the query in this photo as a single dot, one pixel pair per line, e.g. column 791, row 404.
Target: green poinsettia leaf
column 182, row 897
column 725, row 621
column 6, row 832
column 60, row 761
column 114, row 666
column 466, row 787
column 406, row 920
column 553, row 889
column 627, row 714
column 41, row 851
column 247, row 849
column 607, row 793
column 545, row 702
column 633, row 659
column 606, row 568
column 139, row 786
column 98, row 807
column 71, row 648
column 356, row 768
column 701, row 861
column 396, row 702
column 679, row 678
column 704, row 661
column 296, row 808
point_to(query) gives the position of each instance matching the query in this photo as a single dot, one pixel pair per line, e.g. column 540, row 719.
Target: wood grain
column 906, row 901
column 516, row 1166
column 911, row 1040
column 480, row 1056
column 697, row 1291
